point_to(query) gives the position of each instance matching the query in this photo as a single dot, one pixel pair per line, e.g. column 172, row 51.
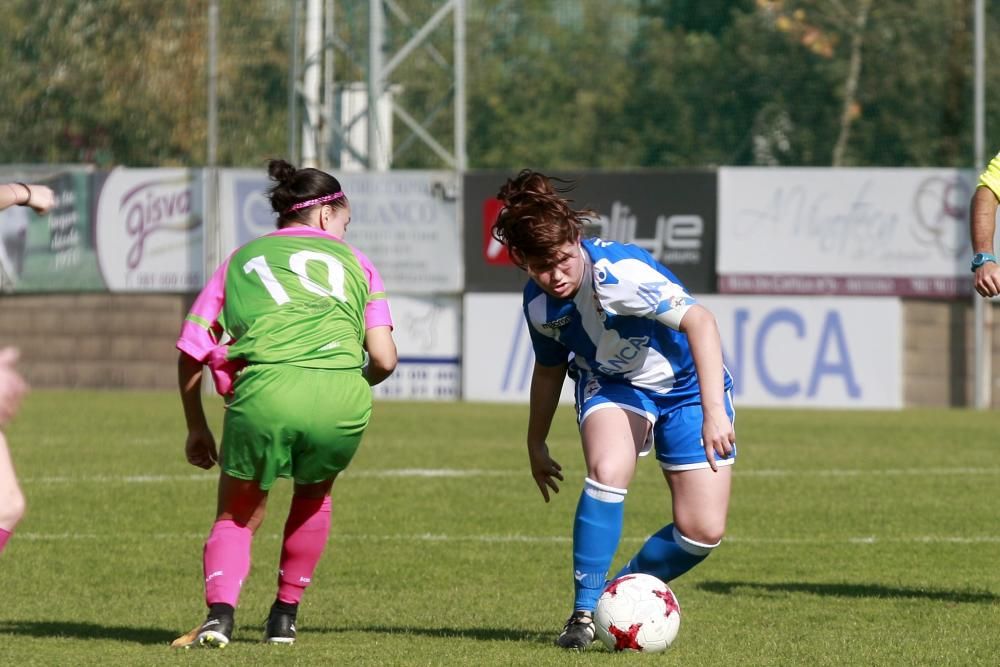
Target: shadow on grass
column 74, row 630
column 477, row 634
column 851, row 591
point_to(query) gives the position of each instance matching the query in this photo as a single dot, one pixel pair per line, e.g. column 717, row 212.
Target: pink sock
column 306, row 531
column 4, row 536
column 227, row 562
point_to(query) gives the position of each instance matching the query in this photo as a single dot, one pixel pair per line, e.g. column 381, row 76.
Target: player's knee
column 610, row 473
column 700, row 543
column 12, row 508
column 604, row 492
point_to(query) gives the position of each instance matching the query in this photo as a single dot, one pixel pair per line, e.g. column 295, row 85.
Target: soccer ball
column 637, row 612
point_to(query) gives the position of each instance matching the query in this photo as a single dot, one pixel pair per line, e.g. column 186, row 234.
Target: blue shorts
column 676, row 431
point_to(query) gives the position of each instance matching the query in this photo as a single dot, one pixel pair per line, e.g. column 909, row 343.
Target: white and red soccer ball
column 637, row 612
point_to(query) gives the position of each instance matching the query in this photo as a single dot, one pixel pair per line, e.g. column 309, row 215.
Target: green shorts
column 287, row 421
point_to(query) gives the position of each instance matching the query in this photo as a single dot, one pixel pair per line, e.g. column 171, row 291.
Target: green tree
column 124, row 82
column 101, row 82
column 550, row 83
column 548, row 89
column 915, row 93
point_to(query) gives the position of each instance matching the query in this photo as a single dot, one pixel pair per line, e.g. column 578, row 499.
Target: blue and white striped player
column 647, row 361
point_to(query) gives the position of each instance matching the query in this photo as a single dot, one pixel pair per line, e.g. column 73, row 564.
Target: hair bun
column 281, row 171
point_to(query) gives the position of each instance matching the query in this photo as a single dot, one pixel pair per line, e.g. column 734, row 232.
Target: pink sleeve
column 201, row 333
column 377, row 308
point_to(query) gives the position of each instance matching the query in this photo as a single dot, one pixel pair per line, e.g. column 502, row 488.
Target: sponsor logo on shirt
column 625, row 357
column 680, row 301
column 557, row 323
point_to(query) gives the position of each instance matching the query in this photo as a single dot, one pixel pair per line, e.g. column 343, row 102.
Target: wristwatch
column 981, row 258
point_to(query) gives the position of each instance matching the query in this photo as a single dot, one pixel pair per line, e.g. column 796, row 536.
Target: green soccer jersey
column 296, row 298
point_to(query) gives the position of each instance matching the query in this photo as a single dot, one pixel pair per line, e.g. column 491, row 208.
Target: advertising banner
column 52, row 252
column 149, row 230
column 405, row 222
column 427, row 332
column 782, row 352
column 669, row 213
column 812, row 352
column 894, row 232
column 496, row 352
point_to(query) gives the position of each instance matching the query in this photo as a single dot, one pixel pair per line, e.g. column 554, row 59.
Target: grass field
column 854, row 539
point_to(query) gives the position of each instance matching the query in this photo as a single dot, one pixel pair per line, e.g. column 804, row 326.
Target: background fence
column 795, row 161
column 833, row 287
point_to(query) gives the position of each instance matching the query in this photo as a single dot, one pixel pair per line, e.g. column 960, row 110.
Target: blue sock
column 667, row 555
column 596, row 532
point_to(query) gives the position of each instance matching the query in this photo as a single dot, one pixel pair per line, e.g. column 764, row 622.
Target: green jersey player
column 285, row 326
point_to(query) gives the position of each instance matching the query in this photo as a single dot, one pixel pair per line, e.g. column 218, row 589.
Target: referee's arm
column 982, row 228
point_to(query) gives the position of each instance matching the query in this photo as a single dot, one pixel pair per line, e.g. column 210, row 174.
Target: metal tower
column 348, row 125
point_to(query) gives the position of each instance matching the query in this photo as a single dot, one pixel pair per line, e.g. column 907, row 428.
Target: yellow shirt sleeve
column 991, row 176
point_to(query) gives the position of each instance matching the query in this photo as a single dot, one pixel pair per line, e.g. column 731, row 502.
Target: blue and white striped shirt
column 623, row 322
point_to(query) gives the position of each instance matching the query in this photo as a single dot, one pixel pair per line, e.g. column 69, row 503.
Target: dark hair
column 536, row 219
column 295, row 186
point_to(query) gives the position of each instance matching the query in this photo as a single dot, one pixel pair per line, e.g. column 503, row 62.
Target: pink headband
column 312, row 202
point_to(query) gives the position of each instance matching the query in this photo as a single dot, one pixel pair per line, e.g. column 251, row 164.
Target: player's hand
column 12, row 385
column 544, row 469
column 42, row 199
column 717, row 436
column 200, row 449
column 987, row 279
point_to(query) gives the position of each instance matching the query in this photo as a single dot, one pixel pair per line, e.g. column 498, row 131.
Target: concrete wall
column 107, row 341
column 119, row 341
column 939, row 356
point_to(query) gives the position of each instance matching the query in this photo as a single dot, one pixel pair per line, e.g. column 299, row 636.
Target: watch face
column 981, row 258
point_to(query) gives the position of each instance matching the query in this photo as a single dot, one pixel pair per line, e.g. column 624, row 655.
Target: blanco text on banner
column 406, row 222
